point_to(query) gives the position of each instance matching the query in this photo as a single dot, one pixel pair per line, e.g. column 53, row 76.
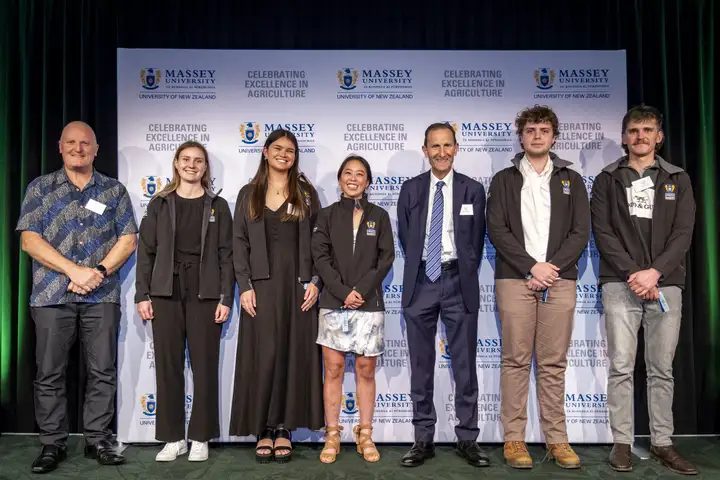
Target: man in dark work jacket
column 538, row 220
column 643, row 214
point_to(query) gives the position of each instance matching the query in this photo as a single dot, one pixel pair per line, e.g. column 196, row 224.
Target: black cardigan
column 343, row 271
column 250, row 254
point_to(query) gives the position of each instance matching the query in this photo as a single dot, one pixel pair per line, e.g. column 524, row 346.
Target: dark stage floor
column 237, row 462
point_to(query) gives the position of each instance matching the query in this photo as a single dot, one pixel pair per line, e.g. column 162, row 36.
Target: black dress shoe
column 417, row 455
column 49, row 459
column 470, row 451
column 104, row 452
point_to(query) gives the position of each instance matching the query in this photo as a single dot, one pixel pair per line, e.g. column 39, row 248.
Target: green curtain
column 57, row 63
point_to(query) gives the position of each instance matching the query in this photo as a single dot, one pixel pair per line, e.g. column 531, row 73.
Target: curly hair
column 536, row 114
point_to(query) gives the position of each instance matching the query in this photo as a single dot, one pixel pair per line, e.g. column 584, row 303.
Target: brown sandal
column 365, row 445
column 332, row 442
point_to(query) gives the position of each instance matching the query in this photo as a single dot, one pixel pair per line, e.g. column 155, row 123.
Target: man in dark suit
column 441, row 226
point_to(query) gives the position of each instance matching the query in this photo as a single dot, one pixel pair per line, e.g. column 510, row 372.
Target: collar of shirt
column 62, row 177
column 434, row 180
column 527, row 168
column 625, row 163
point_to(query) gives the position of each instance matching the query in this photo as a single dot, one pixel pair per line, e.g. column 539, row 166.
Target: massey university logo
column 349, row 405
column 347, row 78
column 544, row 77
column 153, row 184
column 147, row 402
column 444, row 349
column 150, row 78
column 250, row 133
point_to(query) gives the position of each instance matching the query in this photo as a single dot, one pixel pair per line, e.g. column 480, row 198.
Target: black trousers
column 442, row 298
column 179, row 319
column 56, row 329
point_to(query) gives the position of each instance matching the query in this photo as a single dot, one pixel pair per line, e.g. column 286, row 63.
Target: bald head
column 78, row 125
column 78, row 145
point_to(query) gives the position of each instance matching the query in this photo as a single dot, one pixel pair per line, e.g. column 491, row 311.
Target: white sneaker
column 198, row 451
column 171, row 451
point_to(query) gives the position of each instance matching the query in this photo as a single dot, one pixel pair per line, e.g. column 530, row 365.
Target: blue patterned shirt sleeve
column 31, row 211
column 124, row 214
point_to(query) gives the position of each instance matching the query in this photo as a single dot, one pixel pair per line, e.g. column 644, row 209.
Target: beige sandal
column 365, row 445
column 332, row 442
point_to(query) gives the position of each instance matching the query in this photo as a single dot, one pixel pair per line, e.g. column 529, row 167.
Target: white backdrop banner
column 376, row 104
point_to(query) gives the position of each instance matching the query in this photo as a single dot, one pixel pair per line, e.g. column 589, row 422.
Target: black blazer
column 343, row 270
column 250, row 254
column 156, row 250
column 412, row 211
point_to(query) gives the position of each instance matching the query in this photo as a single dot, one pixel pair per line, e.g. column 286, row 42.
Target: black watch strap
column 100, row 268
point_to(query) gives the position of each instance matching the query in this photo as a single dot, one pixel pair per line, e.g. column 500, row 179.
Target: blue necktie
column 434, row 249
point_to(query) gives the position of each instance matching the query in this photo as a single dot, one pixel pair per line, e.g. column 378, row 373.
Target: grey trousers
column 56, row 329
column 624, row 312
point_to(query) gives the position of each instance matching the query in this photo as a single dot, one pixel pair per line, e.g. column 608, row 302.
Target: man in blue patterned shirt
column 79, row 228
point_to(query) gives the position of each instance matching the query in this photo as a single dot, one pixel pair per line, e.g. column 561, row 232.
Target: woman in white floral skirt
column 353, row 251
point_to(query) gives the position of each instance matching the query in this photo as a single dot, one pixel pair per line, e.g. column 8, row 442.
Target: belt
column 444, row 266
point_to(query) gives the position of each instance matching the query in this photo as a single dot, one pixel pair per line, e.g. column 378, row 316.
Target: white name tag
column 96, row 207
column 642, row 184
column 466, row 209
column 291, row 209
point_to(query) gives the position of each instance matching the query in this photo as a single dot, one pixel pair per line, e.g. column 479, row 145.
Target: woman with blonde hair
column 185, row 286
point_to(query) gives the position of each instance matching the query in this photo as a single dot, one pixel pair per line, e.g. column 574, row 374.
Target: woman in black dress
column 278, row 372
column 185, row 287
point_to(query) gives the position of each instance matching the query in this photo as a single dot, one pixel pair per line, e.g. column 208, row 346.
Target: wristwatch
column 101, row 269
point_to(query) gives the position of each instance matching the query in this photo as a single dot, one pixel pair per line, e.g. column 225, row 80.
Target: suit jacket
column 412, row 212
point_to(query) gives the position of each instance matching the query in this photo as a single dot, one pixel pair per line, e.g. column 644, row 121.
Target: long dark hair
column 299, row 195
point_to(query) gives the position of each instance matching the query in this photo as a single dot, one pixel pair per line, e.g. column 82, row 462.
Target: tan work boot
column 564, row 455
column 516, row 455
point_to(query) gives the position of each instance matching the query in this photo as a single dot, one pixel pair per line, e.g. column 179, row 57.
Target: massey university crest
column 544, row 77
column 347, row 78
column 349, row 406
column 152, row 184
column 444, row 349
column 250, row 132
column 150, row 78
column 147, row 402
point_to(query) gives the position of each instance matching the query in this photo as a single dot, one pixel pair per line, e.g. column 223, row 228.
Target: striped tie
column 434, row 249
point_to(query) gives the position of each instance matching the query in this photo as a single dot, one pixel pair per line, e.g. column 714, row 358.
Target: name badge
column 95, row 206
column 466, row 209
column 291, row 209
column 565, row 186
column 370, row 230
column 642, row 184
column 669, row 191
column 212, row 216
